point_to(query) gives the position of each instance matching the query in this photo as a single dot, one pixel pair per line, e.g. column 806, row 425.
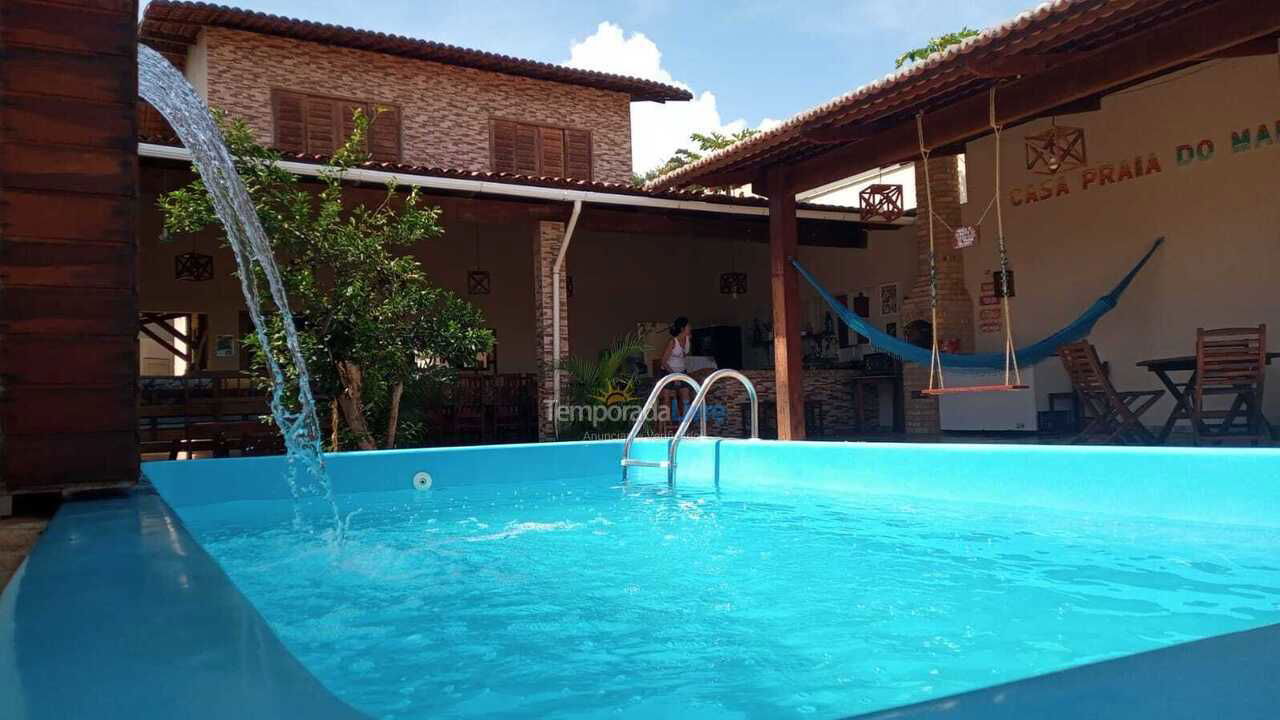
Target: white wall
column 1221, row 218
column 845, row 192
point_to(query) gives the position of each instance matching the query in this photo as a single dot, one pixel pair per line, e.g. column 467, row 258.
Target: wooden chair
column 513, row 408
column 1230, row 363
column 469, row 409
column 1115, row 416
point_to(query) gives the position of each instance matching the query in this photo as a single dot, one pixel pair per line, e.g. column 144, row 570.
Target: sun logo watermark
column 617, row 392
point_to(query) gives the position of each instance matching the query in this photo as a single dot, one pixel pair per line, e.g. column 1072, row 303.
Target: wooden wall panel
column 63, row 121
column 43, row 410
column 84, row 459
column 63, row 216
column 78, row 312
column 109, row 360
column 74, row 26
column 90, row 78
column 68, row 247
column 58, row 263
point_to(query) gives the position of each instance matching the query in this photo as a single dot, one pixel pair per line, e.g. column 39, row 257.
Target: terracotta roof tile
column 1061, row 25
column 546, row 182
column 174, row 22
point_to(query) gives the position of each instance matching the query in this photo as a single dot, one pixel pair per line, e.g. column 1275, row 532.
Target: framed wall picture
column 889, row 299
column 224, row 346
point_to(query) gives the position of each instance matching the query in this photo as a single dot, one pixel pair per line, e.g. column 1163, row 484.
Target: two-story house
column 529, row 162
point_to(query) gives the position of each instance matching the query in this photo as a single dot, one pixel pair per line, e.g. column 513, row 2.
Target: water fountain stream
column 160, row 84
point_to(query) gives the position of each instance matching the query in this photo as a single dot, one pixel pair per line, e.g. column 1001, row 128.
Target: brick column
column 547, row 239
column 955, row 307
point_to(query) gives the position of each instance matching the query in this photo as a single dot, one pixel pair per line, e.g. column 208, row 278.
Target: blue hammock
column 1027, row 356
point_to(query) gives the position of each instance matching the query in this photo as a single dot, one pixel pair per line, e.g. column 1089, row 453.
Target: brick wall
column 547, row 239
column 445, row 109
column 832, row 388
column 955, row 307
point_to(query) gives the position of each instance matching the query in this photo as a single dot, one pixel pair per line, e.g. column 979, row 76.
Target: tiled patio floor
column 17, row 535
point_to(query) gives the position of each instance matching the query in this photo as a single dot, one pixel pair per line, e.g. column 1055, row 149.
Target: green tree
column 705, row 142
column 937, row 44
column 369, row 320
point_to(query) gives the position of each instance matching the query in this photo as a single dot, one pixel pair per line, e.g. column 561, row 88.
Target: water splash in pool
column 160, row 84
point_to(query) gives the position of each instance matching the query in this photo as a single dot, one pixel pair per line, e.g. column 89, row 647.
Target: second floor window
column 528, row 149
column 317, row 125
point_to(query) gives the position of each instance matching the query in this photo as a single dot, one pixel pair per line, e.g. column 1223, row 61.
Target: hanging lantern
column 733, row 283
column 478, row 282
column 193, row 267
column 881, row 202
column 966, row 236
column 1055, row 150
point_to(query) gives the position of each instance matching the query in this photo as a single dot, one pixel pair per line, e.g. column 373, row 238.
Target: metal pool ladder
column 627, row 460
column 699, row 402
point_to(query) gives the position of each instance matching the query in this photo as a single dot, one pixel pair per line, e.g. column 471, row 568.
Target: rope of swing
column 936, row 381
column 1012, row 374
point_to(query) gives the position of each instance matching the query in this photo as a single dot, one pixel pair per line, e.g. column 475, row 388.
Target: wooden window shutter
column 323, row 125
column 551, row 151
column 526, row 149
column 384, row 133
column 502, row 144
column 290, row 125
column 577, row 154
column 347, row 120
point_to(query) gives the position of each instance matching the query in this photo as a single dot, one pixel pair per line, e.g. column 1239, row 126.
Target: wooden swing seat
column 933, row 392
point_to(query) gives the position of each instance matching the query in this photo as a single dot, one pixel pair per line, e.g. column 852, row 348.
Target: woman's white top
column 679, row 351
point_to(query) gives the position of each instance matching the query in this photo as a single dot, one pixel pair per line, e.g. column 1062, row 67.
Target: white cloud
column 657, row 129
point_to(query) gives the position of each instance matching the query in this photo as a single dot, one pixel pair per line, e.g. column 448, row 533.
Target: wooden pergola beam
column 788, row 355
column 1197, row 35
column 164, row 343
column 819, row 233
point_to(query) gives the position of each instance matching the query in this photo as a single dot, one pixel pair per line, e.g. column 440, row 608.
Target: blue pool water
column 584, row 598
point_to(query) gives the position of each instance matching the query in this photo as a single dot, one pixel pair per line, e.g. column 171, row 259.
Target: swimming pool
column 774, row 579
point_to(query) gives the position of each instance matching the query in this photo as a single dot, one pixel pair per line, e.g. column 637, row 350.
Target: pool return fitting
column 698, row 404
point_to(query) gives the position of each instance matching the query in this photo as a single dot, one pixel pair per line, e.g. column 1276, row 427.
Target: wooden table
column 1182, row 393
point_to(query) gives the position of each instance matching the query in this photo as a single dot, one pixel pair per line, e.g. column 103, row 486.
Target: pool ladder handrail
column 627, row 460
column 698, row 402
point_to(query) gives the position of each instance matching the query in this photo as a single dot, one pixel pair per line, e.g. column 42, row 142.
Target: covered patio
column 612, row 260
column 1118, row 124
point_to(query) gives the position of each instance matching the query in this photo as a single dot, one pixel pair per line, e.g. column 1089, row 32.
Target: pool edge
column 162, row 633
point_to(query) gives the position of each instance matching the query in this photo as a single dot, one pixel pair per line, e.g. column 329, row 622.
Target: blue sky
column 759, row 60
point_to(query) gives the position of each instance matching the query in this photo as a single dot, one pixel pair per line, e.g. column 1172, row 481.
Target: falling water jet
column 160, row 84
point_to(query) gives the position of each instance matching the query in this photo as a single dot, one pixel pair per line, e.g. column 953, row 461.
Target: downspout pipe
column 557, row 271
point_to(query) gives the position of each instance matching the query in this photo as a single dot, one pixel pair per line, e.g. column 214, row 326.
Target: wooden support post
column 788, row 354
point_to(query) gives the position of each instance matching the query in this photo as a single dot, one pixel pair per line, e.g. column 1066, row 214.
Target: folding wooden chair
column 1230, row 363
column 1116, row 416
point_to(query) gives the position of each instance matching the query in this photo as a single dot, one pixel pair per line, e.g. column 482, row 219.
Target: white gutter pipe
column 556, row 272
column 382, row 177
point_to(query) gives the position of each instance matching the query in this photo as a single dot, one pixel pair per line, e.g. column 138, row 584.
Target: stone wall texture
column 445, row 109
column 832, row 389
column 547, row 239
